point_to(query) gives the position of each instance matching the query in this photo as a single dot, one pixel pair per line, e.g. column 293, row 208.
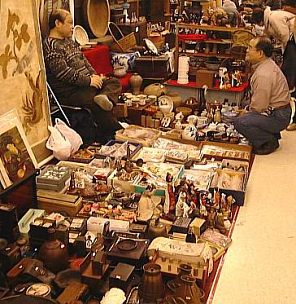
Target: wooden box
column 58, row 202
column 153, row 67
column 22, row 194
column 205, row 77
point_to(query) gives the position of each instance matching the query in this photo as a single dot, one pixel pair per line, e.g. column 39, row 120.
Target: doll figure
column 193, row 210
column 211, row 220
column 180, row 206
column 217, row 197
column 171, row 194
column 236, row 79
column 202, row 208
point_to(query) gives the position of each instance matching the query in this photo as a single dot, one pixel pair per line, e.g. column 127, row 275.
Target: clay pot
column 177, row 99
column 151, row 288
column 156, row 229
column 136, row 82
column 184, row 269
column 188, row 290
column 156, row 89
column 54, row 253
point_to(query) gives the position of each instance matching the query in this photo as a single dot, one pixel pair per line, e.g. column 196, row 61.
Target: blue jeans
column 260, row 129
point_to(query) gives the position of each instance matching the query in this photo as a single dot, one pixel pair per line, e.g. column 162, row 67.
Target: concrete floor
column 260, row 265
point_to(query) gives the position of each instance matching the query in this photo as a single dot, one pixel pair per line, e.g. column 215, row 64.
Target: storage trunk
column 153, row 67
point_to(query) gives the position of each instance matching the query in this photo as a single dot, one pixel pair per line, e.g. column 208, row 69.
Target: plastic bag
column 63, row 140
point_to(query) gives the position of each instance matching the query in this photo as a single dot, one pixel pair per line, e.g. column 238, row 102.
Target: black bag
column 289, row 63
column 82, row 122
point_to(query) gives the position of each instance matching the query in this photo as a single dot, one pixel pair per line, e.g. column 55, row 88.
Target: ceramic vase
column 54, row 253
column 136, row 82
column 151, row 288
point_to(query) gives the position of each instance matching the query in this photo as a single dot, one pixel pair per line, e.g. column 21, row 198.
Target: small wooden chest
column 153, row 67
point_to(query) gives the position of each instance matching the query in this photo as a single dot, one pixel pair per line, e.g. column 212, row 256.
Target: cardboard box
column 205, row 77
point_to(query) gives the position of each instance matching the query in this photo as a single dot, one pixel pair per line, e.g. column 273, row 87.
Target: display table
column 192, row 89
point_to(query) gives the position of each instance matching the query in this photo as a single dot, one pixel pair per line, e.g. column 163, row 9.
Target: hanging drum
column 96, row 15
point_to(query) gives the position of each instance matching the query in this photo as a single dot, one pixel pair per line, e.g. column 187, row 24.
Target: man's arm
column 261, row 86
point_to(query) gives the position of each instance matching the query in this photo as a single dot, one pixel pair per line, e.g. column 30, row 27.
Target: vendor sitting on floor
column 269, row 110
column 72, row 78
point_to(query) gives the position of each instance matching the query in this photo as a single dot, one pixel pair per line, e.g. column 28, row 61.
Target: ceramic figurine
column 211, row 219
column 217, row 198
column 170, row 190
column 217, row 115
column 202, row 208
column 236, row 79
column 181, row 203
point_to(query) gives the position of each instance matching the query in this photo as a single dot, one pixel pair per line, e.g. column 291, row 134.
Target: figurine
column 236, row 79
column 171, row 194
column 180, row 206
column 217, row 198
column 211, row 220
column 202, row 208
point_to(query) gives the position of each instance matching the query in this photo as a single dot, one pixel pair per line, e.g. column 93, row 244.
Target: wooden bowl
column 185, row 111
column 96, row 15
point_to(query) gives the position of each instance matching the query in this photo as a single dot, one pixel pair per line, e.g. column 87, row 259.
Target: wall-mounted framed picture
column 22, row 73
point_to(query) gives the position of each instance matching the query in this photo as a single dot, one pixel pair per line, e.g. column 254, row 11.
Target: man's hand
column 97, row 80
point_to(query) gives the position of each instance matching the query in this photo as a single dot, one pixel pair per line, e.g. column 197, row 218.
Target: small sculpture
column 181, row 204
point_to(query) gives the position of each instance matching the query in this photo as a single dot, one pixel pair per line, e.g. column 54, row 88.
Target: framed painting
column 22, row 73
column 17, row 160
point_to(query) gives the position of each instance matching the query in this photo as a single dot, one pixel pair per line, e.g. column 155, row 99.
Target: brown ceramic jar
column 188, row 290
column 151, row 287
column 54, row 253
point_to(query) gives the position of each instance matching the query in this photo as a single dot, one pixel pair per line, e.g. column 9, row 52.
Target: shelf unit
column 215, row 42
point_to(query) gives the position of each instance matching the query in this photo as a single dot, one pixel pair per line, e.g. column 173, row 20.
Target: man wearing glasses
column 269, row 110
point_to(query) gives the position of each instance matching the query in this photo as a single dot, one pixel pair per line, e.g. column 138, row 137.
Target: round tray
column 80, row 35
column 126, row 245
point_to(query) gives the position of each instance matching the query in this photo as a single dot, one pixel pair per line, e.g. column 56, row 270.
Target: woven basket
column 121, row 43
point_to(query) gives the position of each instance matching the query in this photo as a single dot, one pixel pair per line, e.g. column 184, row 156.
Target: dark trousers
column 260, row 129
column 84, row 97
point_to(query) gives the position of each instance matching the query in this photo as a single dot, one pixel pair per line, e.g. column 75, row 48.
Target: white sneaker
column 103, row 102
